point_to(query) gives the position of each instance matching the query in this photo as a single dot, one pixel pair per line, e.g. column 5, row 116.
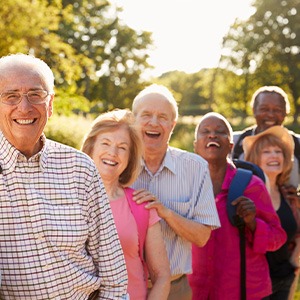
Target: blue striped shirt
column 182, row 184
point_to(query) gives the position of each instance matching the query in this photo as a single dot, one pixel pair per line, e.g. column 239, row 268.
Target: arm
column 292, row 197
column 157, row 263
column 290, row 193
column 192, row 231
column 268, row 234
column 294, row 259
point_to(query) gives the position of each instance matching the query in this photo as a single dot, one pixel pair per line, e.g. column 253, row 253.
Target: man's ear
column 50, row 106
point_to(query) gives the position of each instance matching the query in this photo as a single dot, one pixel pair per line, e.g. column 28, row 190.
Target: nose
column 113, row 150
column 212, row 133
column 24, row 105
column 153, row 119
column 274, row 153
column 271, row 112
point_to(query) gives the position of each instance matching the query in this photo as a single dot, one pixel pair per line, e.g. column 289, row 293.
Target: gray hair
column 159, row 90
column 22, row 60
column 219, row 116
column 271, row 89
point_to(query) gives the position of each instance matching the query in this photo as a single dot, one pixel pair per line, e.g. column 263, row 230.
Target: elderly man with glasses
column 57, row 235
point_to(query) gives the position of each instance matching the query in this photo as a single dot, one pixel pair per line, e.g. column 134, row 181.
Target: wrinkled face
column 271, row 160
column 111, row 153
column 155, row 117
column 269, row 111
column 22, row 124
column 213, row 140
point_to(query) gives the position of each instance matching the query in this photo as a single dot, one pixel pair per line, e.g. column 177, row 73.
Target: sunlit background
column 187, row 33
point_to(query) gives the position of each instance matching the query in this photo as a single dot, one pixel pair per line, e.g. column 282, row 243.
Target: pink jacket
column 141, row 216
column 216, row 266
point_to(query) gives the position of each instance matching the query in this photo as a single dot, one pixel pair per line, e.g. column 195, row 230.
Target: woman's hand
column 245, row 209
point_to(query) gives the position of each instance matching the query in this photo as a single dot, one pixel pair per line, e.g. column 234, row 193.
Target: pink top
column 128, row 234
column 216, row 266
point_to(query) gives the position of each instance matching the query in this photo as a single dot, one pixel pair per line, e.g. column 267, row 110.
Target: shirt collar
column 168, row 163
column 9, row 155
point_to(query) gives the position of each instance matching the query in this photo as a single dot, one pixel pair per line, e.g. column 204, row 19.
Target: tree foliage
column 117, row 54
column 265, row 49
column 90, row 51
column 99, row 61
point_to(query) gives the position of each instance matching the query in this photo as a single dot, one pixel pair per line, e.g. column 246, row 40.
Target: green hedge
column 69, row 130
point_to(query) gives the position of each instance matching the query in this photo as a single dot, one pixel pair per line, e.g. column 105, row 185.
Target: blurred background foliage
column 99, row 62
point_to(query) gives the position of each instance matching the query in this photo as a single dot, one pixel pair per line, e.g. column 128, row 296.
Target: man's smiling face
column 22, row 124
column 269, row 111
column 156, row 119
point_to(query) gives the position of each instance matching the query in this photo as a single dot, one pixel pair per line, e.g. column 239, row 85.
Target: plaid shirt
column 57, row 235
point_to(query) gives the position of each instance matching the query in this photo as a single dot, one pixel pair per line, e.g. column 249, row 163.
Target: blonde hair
column 254, row 155
column 115, row 119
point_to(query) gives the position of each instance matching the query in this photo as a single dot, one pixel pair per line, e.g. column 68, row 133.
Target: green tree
column 264, row 50
column 117, row 54
column 92, row 54
column 29, row 26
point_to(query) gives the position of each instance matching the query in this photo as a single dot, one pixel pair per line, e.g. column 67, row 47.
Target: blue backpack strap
column 236, row 189
column 255, row 169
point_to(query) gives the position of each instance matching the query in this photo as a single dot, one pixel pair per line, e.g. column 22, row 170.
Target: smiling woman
column 213, row 142
column 115, row 145
column 187, row 34
column 272, row 149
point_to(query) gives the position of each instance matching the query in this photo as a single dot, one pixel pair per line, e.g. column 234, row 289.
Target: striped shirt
column 57, row 235
column 182, row 184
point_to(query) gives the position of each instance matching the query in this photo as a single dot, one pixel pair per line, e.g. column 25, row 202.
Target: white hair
column 21, row 60
column 159, row 90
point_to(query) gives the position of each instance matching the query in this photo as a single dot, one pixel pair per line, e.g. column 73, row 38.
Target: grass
column 297, row 293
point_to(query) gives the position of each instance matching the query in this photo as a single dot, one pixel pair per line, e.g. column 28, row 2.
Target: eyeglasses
column 33, row 97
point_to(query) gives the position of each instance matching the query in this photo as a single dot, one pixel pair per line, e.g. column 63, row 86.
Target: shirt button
column 39, row 236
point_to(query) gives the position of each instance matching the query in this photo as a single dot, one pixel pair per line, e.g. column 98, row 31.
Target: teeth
column 24, row 122
column 213, row 144
column 152, row 132
column 109, row 162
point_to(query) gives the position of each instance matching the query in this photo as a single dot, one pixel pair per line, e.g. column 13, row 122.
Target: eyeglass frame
column 43, row 99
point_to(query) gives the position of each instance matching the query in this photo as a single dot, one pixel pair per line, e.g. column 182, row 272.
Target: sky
column 187, row 34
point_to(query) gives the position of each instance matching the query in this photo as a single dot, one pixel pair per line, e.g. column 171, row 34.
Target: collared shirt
column 182, row 184
column 216, row 266
column 58, row 239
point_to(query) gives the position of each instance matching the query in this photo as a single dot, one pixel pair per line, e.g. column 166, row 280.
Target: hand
column 290, row 193
column 142, row 195
column 245, row 209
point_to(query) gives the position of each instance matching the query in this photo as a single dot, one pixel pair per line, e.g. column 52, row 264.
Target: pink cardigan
column 216, row 266
column 141, row 216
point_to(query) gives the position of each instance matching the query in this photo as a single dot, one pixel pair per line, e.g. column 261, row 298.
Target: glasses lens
column 36, row 97
column 10, row 98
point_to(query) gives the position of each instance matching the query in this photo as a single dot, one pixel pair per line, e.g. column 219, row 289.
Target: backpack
column 245, row 171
